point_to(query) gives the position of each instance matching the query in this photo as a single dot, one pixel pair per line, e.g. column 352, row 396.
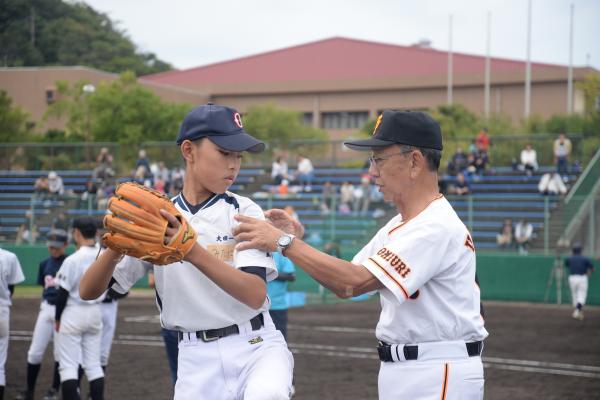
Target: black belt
column 412, row 352
column 213, row 334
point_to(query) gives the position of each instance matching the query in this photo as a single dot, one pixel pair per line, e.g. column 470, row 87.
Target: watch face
column 284, row 241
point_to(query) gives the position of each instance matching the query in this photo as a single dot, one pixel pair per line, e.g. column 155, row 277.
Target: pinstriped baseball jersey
column 187, row 299
column 428, row 296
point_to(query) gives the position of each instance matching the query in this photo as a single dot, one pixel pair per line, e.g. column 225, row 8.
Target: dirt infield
column 533, row 352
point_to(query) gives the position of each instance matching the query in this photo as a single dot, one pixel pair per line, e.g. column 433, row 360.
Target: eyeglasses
column 375, row 161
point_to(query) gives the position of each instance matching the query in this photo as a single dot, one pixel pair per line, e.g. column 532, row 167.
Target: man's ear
column 417, row 163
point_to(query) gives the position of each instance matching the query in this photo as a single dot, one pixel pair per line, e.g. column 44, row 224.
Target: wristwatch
column 284, row 242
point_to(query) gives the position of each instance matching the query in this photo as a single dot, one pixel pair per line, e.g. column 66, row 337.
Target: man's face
column 390, row 169
column 213, row 169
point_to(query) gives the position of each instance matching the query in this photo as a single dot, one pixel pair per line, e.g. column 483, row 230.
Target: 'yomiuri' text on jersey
column 72, row 269
column 427, row 265
column 10, row 274
column 187, row 299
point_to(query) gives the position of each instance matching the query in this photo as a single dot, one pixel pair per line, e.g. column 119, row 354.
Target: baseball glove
column 136, row 227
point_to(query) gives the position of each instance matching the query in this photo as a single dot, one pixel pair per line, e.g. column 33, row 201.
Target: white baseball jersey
column 10, row 274
column 71, row 271
column 427, row 265
column 187, row 299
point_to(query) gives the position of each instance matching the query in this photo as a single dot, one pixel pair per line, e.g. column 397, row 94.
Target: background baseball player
column 579, row 269
column 229, row 347
column 277, row 290
column 10, row 274
column 43, row 331
column 79, row 322
column 422, row 262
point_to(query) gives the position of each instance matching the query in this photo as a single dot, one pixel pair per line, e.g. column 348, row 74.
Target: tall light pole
column 87, row 91
column 486, row 102
column 528, row 65
column 449, row 89
column 570, row 76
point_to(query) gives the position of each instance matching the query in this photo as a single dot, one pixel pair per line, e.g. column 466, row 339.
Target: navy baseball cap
column 412, row 128
column 57, row 238
column 222, row 125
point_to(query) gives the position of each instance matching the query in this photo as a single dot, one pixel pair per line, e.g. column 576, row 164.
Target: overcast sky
column 191, row 33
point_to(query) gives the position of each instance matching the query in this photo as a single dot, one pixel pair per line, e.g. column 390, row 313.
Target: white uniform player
column 79, row 322
column 430, row 319
column 10, row 275
column 229, row 347
column 580, row 268
column 43, row 331
column 422, row 263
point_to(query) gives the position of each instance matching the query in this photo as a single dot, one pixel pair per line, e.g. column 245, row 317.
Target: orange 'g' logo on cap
column 377, row 124
column 237, row 118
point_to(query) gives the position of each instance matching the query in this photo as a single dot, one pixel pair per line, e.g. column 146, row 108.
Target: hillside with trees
column 55, row 32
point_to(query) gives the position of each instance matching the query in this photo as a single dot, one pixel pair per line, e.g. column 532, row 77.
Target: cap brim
column 51, row 243
column 367, row 144
column 238, row 142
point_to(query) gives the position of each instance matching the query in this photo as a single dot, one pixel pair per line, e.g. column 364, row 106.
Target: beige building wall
column 28, row 86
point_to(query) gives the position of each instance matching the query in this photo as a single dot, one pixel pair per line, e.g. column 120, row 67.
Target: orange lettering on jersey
column 469, row 243
column 395, row 261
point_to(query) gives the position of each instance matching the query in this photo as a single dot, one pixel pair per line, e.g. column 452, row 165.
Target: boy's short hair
column 85, row 225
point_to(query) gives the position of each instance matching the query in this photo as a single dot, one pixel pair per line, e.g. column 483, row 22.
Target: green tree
column 14, row 122
column 456, row 120
column 270, row 123
column 119, row 111
column 66, row 33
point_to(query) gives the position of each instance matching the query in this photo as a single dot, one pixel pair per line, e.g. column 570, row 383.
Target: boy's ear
column 187, row 150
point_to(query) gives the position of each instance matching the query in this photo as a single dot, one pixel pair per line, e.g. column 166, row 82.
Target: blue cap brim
column 238, row 142
column 367, row 144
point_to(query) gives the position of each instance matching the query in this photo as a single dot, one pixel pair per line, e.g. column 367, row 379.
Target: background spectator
column 27, row 231
column 61, row 222
column 529, row 159
column 523, row 235
column 562, row 150
column 104, row 169
column 278, row 292
column 88, row 197
column 461, row 187
column 505, row 237
column 41, row 187
column 177, row 180
column 279, row 170
column 482, row 141
column 327, row 196
column 142, row 169
column 346, row 197
column 305, row 173
column 55, row 185
column 362, row 196
column 552, row 183
column 458, row 162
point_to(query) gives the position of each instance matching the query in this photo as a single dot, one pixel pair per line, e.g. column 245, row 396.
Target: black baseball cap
column 222, row 125
column 57, row 238
column 412, row 128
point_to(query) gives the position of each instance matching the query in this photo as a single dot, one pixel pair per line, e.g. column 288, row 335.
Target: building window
column 307, row 118
column 597, row 103
column 344, row 120
column 50, row 96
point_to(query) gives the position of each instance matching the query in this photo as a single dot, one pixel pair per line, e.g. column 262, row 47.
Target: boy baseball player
column 10, row 275
column 216, row 298
column 43, row 331
column 78, row 322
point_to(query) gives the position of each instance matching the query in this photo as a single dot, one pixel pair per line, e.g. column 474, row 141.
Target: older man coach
column 422, row 263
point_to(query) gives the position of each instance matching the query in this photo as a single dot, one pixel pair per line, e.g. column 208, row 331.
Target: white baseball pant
column 252, row 365
column 78, row 341
column 444, row 371
column 43, row 332
column 579, row 288
column 4, row 336
column 109, row 324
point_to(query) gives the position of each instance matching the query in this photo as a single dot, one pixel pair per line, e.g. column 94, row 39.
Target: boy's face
column 56, row 252
column 213, row 169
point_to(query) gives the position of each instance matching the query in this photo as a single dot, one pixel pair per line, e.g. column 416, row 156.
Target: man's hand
column 254, row 233
column 283, row 221
column 57, row 325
